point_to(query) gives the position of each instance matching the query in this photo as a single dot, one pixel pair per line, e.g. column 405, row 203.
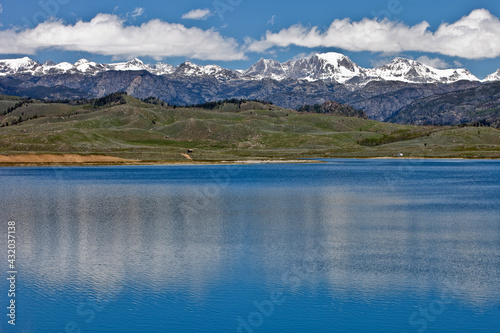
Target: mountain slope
column 379, row 99
column 332, row 67
column 252, row 130
column 336, row 67
column 380, row 93
column 405, row 70
column 493, row 77
column 479, row 105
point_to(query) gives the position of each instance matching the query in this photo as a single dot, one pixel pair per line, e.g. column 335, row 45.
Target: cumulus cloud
column 107, row 34
column 381, row 62
column 434, row 62
column 474, row 36
column 303, row 55
column 198, row 14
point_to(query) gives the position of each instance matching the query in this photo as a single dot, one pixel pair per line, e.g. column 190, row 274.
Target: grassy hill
column 134, row 129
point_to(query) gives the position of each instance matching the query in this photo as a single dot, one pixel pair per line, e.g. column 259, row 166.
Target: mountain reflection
column 103, row 236
column 367, row 240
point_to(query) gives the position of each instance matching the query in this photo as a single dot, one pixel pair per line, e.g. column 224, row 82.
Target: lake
column 343, row 246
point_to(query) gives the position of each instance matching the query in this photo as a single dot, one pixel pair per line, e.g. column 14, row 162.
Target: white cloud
column 271, row 21
column 136, row 12
column 198, row 14
column 304, row 55
column 376, row 63
column 1, row 8
column 107, row 34
column 434, row 62
column 475, row 36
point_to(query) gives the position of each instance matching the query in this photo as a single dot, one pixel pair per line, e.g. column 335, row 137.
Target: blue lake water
column 343, row 246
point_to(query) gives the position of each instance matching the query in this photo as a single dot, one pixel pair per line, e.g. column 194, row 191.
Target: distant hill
column 480, row 106
column 123, row 126
column 334, row 108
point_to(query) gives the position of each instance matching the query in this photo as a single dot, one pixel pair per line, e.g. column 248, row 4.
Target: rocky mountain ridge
column 329, row 67
column 381, row 93
column 336, row 67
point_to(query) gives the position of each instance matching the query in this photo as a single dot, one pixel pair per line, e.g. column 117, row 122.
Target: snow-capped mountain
column 16, row 66
column 51, row 68
column 26, row 65
column 337, row 67
column 493, row 77
column 83, row 66
column 161, row 68
column 326, row 67
column 406, row 70
column 266, row 69
column 89, row 67
column 189, row 69
column 329, row 67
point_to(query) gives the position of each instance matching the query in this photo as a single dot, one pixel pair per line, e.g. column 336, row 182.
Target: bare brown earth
column 65, row 158
column 75, row 159
column 187, row 156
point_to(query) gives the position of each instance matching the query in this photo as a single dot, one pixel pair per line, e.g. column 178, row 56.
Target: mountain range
column 382, row 93
column 329, row 67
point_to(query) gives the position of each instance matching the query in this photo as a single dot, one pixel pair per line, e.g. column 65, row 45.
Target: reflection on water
column 102, row 236
column 203, row 243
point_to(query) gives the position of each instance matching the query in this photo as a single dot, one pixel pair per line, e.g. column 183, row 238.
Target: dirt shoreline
column 35, row 160
column 96, row 160
column 64, row 158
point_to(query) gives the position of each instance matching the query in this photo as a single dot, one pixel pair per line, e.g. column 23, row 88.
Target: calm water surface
column 344, row 246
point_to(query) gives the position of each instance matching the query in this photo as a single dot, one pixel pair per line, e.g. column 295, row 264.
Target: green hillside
column 130, row 128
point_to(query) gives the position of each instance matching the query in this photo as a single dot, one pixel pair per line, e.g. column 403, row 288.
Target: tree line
column 216, row 104
column 111, row 99
column 17, row 106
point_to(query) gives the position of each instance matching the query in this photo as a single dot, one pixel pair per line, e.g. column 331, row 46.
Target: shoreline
column 156, row 163
column 43, row 160
column 77, row 160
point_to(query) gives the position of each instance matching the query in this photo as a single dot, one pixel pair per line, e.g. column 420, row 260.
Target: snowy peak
column 266, row 69
column 493, row 77
column 50, row 67
column 406, row 70
column 331, row 66
column 132, row 65
column 49, row 63
column 88, row 67
column 338, row 63
column 328, row 67
column 82, row 62
column 336, row 67
column 15, row 66
column 162, row 69
column 189, row 69
column 331, row 57
column 135, row 62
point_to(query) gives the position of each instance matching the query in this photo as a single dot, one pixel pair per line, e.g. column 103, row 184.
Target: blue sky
column 237, row 33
